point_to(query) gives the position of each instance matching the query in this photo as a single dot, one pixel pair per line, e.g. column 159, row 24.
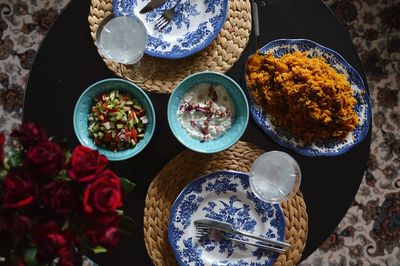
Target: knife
column 152, row 5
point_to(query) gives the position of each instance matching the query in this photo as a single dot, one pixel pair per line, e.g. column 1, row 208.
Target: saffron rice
column 302, row 94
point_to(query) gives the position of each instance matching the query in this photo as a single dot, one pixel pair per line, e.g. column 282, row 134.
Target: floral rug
column 369, row 234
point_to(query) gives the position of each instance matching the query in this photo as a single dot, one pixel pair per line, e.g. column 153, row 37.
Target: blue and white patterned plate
column 193, row 28
column 362, row 108
column 224, row 196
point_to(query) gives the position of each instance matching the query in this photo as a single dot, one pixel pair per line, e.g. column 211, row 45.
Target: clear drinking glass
column 275, row 177
column 123, row 39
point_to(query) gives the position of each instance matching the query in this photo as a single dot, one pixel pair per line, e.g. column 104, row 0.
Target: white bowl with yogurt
column 208, row 112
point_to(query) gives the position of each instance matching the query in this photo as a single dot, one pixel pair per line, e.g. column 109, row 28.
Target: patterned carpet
column 369, row 234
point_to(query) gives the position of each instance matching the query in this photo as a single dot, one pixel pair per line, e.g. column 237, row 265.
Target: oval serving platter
column 362, row 108
column 224, row 196
column 193, row 27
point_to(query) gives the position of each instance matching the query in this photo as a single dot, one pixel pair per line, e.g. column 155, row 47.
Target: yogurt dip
column 206, row 111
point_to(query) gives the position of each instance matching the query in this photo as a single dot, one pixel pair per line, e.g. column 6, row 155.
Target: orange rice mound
column 302, row 94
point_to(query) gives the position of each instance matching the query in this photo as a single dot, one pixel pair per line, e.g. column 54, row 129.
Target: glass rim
column 104, row 22
column 296, row 184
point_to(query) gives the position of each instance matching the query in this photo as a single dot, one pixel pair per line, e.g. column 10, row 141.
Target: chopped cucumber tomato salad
column 117, row 121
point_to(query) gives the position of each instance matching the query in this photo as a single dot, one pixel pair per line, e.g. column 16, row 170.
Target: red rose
column 69, row 257
column 45, row 159
column 15, row 224
column 86, row 164
column 106, row 237
column 29, row 134
column 49, row 241
column 59, row 196
column 104, row 194
column 19, row 189
column 2, row 141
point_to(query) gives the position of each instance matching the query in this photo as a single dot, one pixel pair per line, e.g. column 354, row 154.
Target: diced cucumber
column 107, row 125
column 137, row 106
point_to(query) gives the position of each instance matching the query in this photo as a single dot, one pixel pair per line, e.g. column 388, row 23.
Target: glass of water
column 275, row 177
column 123, row 39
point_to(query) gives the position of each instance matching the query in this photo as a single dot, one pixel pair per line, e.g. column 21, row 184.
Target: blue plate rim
column 211, row 38
column 74, row 118
column 289, row 145
column 198, row 180
column 239, row 135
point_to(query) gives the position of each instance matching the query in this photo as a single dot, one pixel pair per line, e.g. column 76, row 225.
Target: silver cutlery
column 152, row 5
column 227, row 228
column 166, row 17
column 206, row 232
column 256, row 22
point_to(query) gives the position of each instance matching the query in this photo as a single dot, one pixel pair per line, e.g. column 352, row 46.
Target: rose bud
column 103, row 195
column 19, row 189
column 49, row 240
column 106, row 237
column 59, row 196
column 86, row 164
column 69, row 257
column 45, row 159
column 29, row 134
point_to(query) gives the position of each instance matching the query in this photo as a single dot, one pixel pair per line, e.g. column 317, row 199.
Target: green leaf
column 13, row 159
column 127, row 186
column 3, row 174
column 127, row 225
column 99, row 249
column 30, row 257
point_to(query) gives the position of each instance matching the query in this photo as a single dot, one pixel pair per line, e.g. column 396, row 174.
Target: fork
column 206, row 232
column 162, row 21
column 225, row 227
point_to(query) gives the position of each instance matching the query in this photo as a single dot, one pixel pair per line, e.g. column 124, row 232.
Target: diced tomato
column 107, row 137
column 139, row 113
column 134, row 134
column 105, row 106
column 131, row 115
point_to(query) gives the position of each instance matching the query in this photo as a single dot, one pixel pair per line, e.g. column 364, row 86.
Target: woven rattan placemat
column 219, row 56
column 189, row 165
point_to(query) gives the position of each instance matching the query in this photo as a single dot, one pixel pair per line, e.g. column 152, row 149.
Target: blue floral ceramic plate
column 224, row 196
column 193, row 28
column 362, row 108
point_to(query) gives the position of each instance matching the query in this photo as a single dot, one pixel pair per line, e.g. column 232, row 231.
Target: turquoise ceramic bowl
column 85, row 103
column 231, row 136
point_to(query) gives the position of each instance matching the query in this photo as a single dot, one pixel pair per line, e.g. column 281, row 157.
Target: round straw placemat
column 189, row 165
column 219, row 56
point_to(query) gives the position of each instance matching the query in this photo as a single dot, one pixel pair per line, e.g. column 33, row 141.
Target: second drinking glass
column 123, row 39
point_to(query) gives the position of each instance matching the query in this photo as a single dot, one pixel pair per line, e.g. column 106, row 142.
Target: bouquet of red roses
column 56, row 206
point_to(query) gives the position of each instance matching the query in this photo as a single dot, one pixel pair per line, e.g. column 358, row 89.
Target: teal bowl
column 232, row 135
column 85, row 103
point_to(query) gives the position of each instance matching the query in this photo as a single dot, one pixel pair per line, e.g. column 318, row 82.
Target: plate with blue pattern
column 362, row 108
column 193, row 27
column 223, row 196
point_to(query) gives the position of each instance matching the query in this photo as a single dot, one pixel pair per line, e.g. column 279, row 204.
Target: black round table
column 68, row 62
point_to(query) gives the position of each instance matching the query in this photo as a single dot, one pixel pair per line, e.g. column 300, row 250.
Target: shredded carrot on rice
column 304, row 95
